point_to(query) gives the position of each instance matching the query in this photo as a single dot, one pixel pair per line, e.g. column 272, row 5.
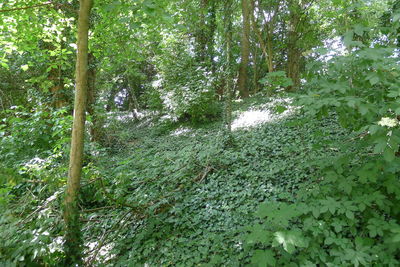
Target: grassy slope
column 196, row 192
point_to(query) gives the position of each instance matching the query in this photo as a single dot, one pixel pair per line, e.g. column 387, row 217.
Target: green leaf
column 258, row 235
column 24, row 67
column 389, row 154
column 348, row 38
column 266, row 209
column 289, row 240
column 396, row 17
column 350, row 215
column 374, row 129
column 381, row 145
column 263, row 258
column 359, row 30
column 280, row 109
column 363, row 109
column 374, row 80
column 393, row 93
column 5, row 65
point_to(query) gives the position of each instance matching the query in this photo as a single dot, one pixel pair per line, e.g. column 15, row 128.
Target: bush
column 349, row 214
column 274, row 81
column 186, row 86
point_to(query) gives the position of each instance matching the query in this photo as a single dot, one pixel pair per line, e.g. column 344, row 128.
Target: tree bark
column 73, row 240
column 95, row 130
column 293, row 51
column 245, row 50
column 266, row 45
column 228, row 67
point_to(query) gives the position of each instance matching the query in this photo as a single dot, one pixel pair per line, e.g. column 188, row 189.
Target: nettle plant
column 348, row 215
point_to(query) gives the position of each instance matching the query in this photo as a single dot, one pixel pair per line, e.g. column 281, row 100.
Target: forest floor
column 195, row 189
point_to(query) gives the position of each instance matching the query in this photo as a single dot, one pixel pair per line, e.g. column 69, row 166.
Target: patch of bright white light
column 181, row 131
column 259, row 115
column 104, row 251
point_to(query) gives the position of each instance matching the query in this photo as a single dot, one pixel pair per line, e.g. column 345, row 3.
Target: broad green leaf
column 374, row 129
column 280, row 109
column 263, row 258
column 374, row 80
column 389, row 154
column 350, row 215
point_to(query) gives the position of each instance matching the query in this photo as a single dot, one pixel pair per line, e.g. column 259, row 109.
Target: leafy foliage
column 186, row 87
column 274, row 81
column 348, row 215
column 191, row 205
column 163, row 183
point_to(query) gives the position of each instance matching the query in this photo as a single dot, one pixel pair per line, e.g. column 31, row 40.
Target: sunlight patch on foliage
column 181, row 131
column 265, row 113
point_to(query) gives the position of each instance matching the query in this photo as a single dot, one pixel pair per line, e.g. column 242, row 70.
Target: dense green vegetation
column 202, row 133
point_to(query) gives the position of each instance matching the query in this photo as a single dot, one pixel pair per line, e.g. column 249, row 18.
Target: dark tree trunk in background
column 245, row 50
column 73, row 238
column 96, row 127
column 206, row 32
column 228, row 66
column 211, row 32
column 202, row 32
column 293, row 50
column 55, row 76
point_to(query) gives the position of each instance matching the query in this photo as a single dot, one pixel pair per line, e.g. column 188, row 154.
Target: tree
column 302, row 35
column 228, row 64
column 73, row 243
column 245, row 50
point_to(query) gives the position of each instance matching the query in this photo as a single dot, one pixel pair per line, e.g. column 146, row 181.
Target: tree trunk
column 266, row 46
column 228, row 67
column 73, row 240
column 245, row 50
column 95, row 130
column 270, row 60
column 202, row 32
column 211, row 32
column 255, row 69
column 293, row 52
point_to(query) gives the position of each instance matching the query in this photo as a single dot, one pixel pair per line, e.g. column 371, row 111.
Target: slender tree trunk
column 55, row 76
column 270, row 59
column 228, row 67
column 259, row 33
column 73, row 240
column 211, row 33
column 96, row 134
column 293, row 52
column 266, row 47
column 202, row 37
column 255, row 69
column 245, row 50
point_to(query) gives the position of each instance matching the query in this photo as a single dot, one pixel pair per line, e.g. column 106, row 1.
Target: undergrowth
column 165, row 194
column 193, row 193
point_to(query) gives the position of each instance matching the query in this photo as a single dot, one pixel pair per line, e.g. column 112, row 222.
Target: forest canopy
column 200, row 133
